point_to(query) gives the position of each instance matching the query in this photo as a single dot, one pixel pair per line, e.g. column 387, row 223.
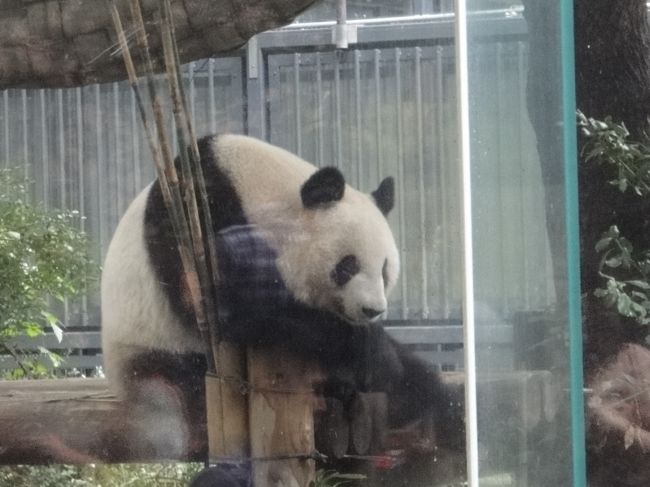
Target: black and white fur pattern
column 332, row 249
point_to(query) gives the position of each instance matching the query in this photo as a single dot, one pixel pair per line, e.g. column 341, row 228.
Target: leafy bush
column 42, row 254
column 624, row 269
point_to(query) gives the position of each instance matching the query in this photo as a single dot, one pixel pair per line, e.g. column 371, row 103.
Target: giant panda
column 306, row 262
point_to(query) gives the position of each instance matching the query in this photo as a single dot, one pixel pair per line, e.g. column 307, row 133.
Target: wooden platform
column 58, row 421
column 80, row 421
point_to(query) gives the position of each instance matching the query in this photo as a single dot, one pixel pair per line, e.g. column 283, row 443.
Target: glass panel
column 386, row 106
column 522, row 153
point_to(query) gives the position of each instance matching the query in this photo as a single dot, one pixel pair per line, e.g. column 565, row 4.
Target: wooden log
column 44, row 421
column 227, row 407
column 80, row 421
column 281, row 413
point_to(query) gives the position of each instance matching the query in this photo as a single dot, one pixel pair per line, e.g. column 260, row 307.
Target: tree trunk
column 613, row 79
column 46, row 44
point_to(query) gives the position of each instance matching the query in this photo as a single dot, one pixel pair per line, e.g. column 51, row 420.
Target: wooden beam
column 81, row 421
column 63, row 421
column 281, row 416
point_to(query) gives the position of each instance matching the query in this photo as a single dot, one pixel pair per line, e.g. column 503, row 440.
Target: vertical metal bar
column 101, row 177
column 257, row 90
column 341, row 24
column 521, row 95
column 319, row 110
column 357, row 99
column 423, row 216
column 23, row 99
column 64, row 178
column 82, row 181
column 337, row 100
column 379, row 134
column 296, row 92
column 469, row 342
column 61, row 133
column 80, row 155
column 443, row 184
column 45, row 159
column 400, row 179
column 45, row 153
column 211, row 105
column 503, row 207
column 117, row 153
column 5, row 113
column 572, row 240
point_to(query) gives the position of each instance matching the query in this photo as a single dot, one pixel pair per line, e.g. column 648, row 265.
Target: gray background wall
column 384, row 107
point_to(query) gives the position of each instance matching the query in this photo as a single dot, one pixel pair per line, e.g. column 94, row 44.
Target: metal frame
column 469, row 324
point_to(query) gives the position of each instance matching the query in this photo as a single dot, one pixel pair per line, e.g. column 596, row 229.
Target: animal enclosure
column 481, row 221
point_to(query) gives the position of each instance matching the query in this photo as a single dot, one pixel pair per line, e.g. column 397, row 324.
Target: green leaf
column 53, row 322
column 623, row 305
column 55, row 358
column 603, row 243
column 614, row 262
column 32, row 329
column 622, row 185
column 640, row 284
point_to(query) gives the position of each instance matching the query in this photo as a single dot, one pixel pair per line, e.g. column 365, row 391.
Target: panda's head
column 343, row 258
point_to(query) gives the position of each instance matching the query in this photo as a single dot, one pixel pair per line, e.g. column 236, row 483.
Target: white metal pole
column 462, row 87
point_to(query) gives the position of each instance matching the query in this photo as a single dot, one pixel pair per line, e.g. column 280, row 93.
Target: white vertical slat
column 469, row 342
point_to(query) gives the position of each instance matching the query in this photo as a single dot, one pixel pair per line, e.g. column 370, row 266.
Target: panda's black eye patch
column 384, row 273
column 345, row 270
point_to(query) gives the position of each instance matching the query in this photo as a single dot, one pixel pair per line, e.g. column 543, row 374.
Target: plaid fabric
column 250, row 282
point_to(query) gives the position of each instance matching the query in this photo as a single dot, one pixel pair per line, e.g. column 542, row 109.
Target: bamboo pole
column 167, row 176
column 288, row 415
column 226, row 406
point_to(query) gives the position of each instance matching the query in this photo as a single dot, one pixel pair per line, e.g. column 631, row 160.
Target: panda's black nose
column 371, row 313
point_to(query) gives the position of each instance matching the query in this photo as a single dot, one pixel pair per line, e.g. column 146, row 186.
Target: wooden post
column 281, row 415
column 227, row 406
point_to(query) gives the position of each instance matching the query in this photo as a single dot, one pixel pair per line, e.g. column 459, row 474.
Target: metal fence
column 384, row 107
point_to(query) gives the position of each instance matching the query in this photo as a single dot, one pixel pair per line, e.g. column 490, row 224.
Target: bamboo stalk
column 167, row 176
column 191, row 174
column 197, row 173
column 226, row 407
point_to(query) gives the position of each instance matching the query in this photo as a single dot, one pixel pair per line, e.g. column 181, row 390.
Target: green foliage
column 626, row 272
column 332, row 478
column 627, row 287
column 98, row 475
column 42, row 254
column 608, row 143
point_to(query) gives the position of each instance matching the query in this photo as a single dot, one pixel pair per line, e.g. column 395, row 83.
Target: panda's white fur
column 136, row 313
column 309, row 243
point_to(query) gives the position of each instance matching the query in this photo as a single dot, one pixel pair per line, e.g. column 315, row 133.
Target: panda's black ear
column 384, row 195
column 326, row 185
